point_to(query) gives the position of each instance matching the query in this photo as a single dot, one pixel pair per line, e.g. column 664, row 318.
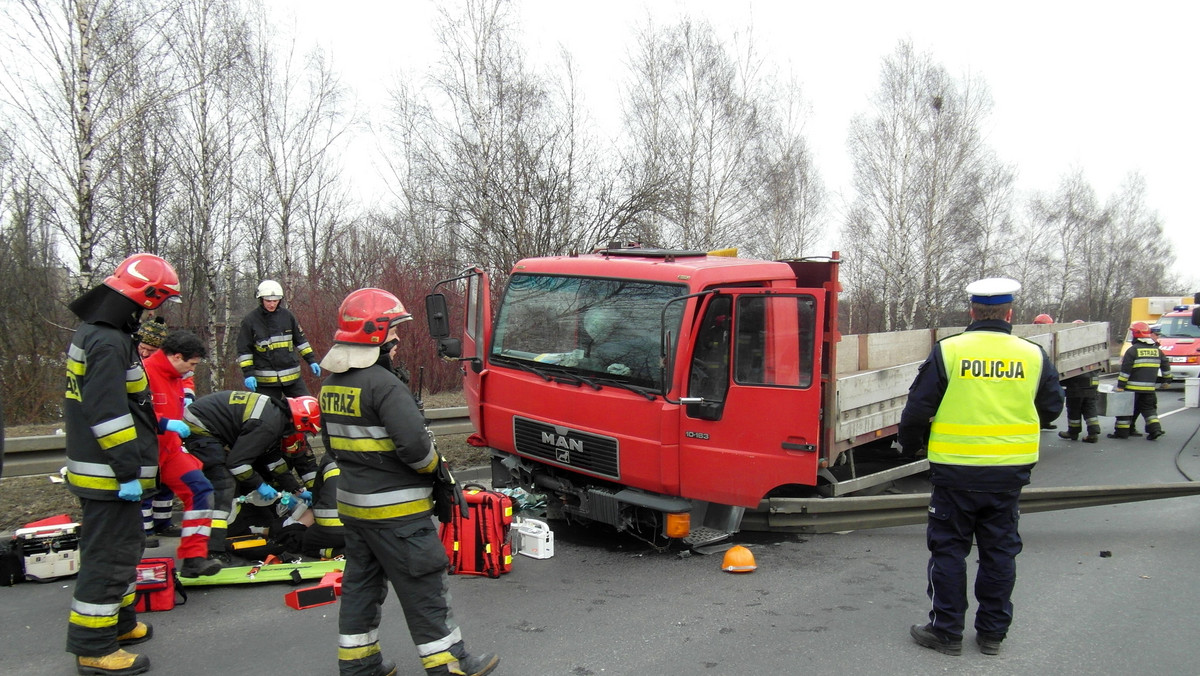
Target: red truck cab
column 633, row 384
column 1179, row 340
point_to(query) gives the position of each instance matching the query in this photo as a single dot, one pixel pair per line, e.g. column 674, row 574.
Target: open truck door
column 751, row 395
column 470, row 349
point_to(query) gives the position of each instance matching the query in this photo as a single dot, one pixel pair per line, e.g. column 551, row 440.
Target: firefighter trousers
column 210, row 452
column 412, row 559
column 1145, row 404
column 111, row 541
column 1081, row 410
column 955, row 517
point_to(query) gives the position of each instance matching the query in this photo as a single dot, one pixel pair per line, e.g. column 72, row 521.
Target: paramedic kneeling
column 980, row 400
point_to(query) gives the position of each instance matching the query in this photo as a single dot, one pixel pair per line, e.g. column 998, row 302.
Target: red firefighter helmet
column 306, row 414
column 1140, row 330
column 1043, row 319
column 145, row 279
column 366, row 315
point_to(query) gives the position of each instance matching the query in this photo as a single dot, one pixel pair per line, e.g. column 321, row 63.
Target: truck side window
column 710, row 360
column 774, row 341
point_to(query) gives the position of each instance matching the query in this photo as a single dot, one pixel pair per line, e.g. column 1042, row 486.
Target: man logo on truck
column 992, row 368
column 563, row 444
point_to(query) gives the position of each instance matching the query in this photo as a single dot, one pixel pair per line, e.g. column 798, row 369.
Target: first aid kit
column 158, row 585
column 535, row 539
column 48, row 551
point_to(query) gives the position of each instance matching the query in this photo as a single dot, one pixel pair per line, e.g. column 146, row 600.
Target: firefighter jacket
column 377, row 435
column 111, row 426
column 251, row 426
column 1141, row 365
column 325, row 508
column 267, row 345
column 1083, row 385
column 981, row 398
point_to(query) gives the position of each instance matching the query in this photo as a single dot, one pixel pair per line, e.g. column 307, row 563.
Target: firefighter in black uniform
column 268, row 344
column 253, row 427
column 385, row 498
column 112, row 457
column 977, row 404
column 1140, row 369
column 1082, row 406
column 326, row 537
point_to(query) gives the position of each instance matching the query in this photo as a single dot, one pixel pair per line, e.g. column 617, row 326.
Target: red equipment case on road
column 479, row 544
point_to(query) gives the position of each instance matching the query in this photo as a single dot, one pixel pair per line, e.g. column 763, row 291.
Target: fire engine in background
column 1170, row 319
column 668, row 392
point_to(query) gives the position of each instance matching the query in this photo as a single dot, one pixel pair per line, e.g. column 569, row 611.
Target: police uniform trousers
column 111, row 541
column 955, row 516
column 157, row 509
column 412, row 558
column 211, row 453
column 1080, row 410
column 1145, row 404
column 295, row 388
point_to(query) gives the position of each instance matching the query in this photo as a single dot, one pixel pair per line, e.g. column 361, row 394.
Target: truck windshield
column 1178, row 327
column 596, row 328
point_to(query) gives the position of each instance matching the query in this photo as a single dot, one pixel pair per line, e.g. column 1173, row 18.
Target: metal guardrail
column 29, row 456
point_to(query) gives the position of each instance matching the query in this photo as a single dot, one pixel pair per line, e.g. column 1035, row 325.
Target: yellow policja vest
column 987, row 416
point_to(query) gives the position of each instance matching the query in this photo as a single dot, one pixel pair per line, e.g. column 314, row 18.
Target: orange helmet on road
column 1043, row 319
column 1140, row 330
column 738, row 559
column 145, row 279
column 366, row 315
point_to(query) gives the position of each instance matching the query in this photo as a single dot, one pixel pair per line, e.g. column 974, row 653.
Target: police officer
column 112, row 457
column 976, row 404
column 253, row 427
column 385, row 498
column 268, row 344
column 1140, row 369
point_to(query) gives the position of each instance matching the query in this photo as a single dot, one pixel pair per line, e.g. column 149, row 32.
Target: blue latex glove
column 267, row 492
column 252, row 383
column 306, row 496
column 316, row 368
column 179, row 427
column 131, row 491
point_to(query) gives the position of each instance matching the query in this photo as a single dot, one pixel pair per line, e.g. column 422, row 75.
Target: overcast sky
column 1106, row 87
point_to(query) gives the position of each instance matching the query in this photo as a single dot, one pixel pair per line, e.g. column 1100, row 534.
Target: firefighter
column 1082, row 406
column 1140, row 369
column 385, row 497
column 179, row 471
column 270, row 346
column 326, row 537
column 252, row 427
column 112, row 458
column 978, row 400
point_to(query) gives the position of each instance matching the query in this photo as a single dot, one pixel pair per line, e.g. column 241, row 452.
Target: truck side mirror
column 437, row 315
column 450, row 348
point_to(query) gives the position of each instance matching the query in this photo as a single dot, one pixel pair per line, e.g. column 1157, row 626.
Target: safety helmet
column 365, row 316
column 269, row 289
column 293, row 444
column 1043, row 319
column 306, row 414
column 1079, row 321
column 738, row 559
column 145, row 279
column 1140, row 330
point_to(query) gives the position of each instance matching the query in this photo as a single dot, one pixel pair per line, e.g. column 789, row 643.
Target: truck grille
column 566, row 447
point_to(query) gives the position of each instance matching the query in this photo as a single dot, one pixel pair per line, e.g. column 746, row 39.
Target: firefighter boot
column 197, row 567
column 1073, row 435
column 470, row 665
column 388, row 668
column 1093, row 434
column 1154, row 431
column 141, row 632
column 119, row 663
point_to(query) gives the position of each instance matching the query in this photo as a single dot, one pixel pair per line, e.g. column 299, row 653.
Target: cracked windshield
column 592, row 328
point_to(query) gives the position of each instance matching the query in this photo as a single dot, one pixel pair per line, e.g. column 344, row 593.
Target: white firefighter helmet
column 269, row 289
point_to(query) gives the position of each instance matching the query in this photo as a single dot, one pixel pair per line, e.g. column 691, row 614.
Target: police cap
column 993, row 290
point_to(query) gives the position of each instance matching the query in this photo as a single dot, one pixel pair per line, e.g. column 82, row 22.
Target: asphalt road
column 830, row 604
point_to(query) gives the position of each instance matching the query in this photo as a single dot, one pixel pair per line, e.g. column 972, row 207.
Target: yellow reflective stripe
column 93, row 621
column 361, row 445
column 329, row 523
column 117, row 438
column 428, row 467
column 333, row 471
column 76, row 367
column 1005, row 430
column 978, row 453
column 437, row 659
column 387, row 511
column 358, row 653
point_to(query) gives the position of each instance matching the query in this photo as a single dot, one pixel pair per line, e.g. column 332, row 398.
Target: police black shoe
column 1068, row 435
column 989, row 644
column 169, row 531
column 1151, row 436
column 927, row 637
column 197, row 567
column 152, row 542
